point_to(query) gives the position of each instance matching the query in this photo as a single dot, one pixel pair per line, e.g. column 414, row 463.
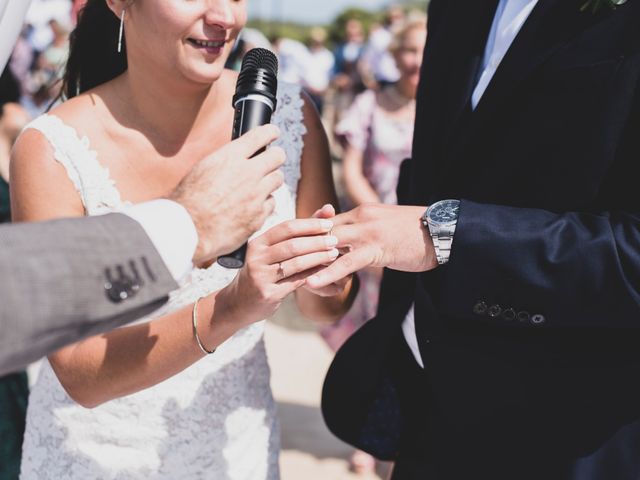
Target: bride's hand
column 277, row 263
column 336, row 288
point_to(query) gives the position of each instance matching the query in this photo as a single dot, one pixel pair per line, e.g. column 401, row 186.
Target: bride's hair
column 93, row 57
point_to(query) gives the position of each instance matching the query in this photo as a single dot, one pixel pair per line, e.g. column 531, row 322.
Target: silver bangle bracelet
column 195, row 329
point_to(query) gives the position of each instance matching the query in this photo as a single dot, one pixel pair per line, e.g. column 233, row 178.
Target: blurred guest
column 55, row 55
column 378, row 67
column 22, row 59
column 42, row 89
column 293, row 57
column 249, row 39
column 12, row 119
column 377, row 130
column 317, row 75
column 347, row 79
column 377, row 133
column 40, row 13
column 14, row 387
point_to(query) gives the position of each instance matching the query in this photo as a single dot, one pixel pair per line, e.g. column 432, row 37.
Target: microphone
column 254, row 103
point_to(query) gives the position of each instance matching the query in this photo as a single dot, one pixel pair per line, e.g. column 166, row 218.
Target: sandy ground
column 299, row 359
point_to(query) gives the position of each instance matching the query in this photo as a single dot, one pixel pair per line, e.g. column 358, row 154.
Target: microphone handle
column 251, row 112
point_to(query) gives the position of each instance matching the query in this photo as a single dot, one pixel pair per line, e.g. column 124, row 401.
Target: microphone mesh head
column 260, row 58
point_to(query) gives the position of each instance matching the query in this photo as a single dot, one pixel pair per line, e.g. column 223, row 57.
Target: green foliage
column 300, row 31
column 272, row 29
column 414, row 4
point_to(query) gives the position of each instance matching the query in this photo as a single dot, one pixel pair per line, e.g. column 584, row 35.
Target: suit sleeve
column 62, row 282
column 549, row 270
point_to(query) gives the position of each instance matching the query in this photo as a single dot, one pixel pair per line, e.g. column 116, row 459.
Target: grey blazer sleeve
column 65, row 280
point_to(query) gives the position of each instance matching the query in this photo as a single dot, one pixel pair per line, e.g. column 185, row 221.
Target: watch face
column 444, row 212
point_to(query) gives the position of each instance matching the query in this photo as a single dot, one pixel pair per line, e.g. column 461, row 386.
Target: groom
column 507, row 342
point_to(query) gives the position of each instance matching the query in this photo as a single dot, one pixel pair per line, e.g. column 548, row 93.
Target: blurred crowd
column 364, row 84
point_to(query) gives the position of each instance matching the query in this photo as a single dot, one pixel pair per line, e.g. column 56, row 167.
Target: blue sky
column 307, row 11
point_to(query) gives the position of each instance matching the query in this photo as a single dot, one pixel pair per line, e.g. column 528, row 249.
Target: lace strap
column 92, row 181
column 289, row 117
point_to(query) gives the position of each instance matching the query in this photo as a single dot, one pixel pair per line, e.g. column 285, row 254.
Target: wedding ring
column 281, row 274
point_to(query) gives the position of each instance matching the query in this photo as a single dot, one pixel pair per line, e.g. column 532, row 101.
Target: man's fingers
column 271, row 183
column 297, row 228
column 268, row 161
column 256, row 139
column 269, row 207
column 341, row 268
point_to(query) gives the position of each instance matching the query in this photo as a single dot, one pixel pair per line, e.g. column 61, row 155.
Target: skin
column 408, row 59
column 149, row 146
column 377, row 235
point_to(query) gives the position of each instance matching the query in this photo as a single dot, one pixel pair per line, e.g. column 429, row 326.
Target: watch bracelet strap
column 442, row 246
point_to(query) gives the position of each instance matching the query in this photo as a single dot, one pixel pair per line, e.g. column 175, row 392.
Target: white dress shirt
column 509, row 19
column 171, row 230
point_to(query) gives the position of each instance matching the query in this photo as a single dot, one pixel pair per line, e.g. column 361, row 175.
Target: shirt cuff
column 171, row 230
column 410, row 336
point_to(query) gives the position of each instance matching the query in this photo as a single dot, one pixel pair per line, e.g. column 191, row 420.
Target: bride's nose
column 219, row 14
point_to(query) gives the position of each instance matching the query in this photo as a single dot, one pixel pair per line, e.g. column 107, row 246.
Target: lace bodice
column 214, row 420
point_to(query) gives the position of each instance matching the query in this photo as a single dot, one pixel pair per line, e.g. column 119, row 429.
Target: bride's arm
column 131, row 359
column 315, row 190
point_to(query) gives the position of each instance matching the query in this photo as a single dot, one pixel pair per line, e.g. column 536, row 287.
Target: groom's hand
column 381, row 236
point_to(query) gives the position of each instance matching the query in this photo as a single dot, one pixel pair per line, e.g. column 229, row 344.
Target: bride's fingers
column 327, row 211
column 294, row 266
column 297, row 228
column 297, row 247
column 342, row 267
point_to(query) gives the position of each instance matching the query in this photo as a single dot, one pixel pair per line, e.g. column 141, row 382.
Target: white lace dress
column 216, row 419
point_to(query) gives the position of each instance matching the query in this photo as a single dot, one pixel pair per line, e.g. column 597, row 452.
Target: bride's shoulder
column 82, row 113
column 45, row 132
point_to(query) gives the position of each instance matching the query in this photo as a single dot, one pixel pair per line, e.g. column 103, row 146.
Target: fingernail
column 331, row 241
column 326, row 224
column 313, row 279
column 334, row 253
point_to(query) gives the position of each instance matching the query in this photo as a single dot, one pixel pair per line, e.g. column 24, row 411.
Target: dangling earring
column 121, row 31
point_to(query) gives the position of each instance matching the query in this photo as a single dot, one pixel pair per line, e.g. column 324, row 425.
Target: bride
column 144, row 401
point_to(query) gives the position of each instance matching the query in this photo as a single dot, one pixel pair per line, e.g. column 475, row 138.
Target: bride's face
column 190, row 38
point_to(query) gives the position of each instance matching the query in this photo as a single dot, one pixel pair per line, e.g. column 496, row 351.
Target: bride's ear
column 117, row 6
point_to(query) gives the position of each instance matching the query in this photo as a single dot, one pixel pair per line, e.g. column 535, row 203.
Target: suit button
column 480, row 308
column 509, row 314
column 116, row 292
column 495, row 311
column 538, row 319
column 524, row 317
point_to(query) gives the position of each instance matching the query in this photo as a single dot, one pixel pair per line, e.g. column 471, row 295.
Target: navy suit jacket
column 531, row 333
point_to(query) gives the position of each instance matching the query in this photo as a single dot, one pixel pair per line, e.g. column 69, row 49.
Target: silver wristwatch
column 441, row 219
